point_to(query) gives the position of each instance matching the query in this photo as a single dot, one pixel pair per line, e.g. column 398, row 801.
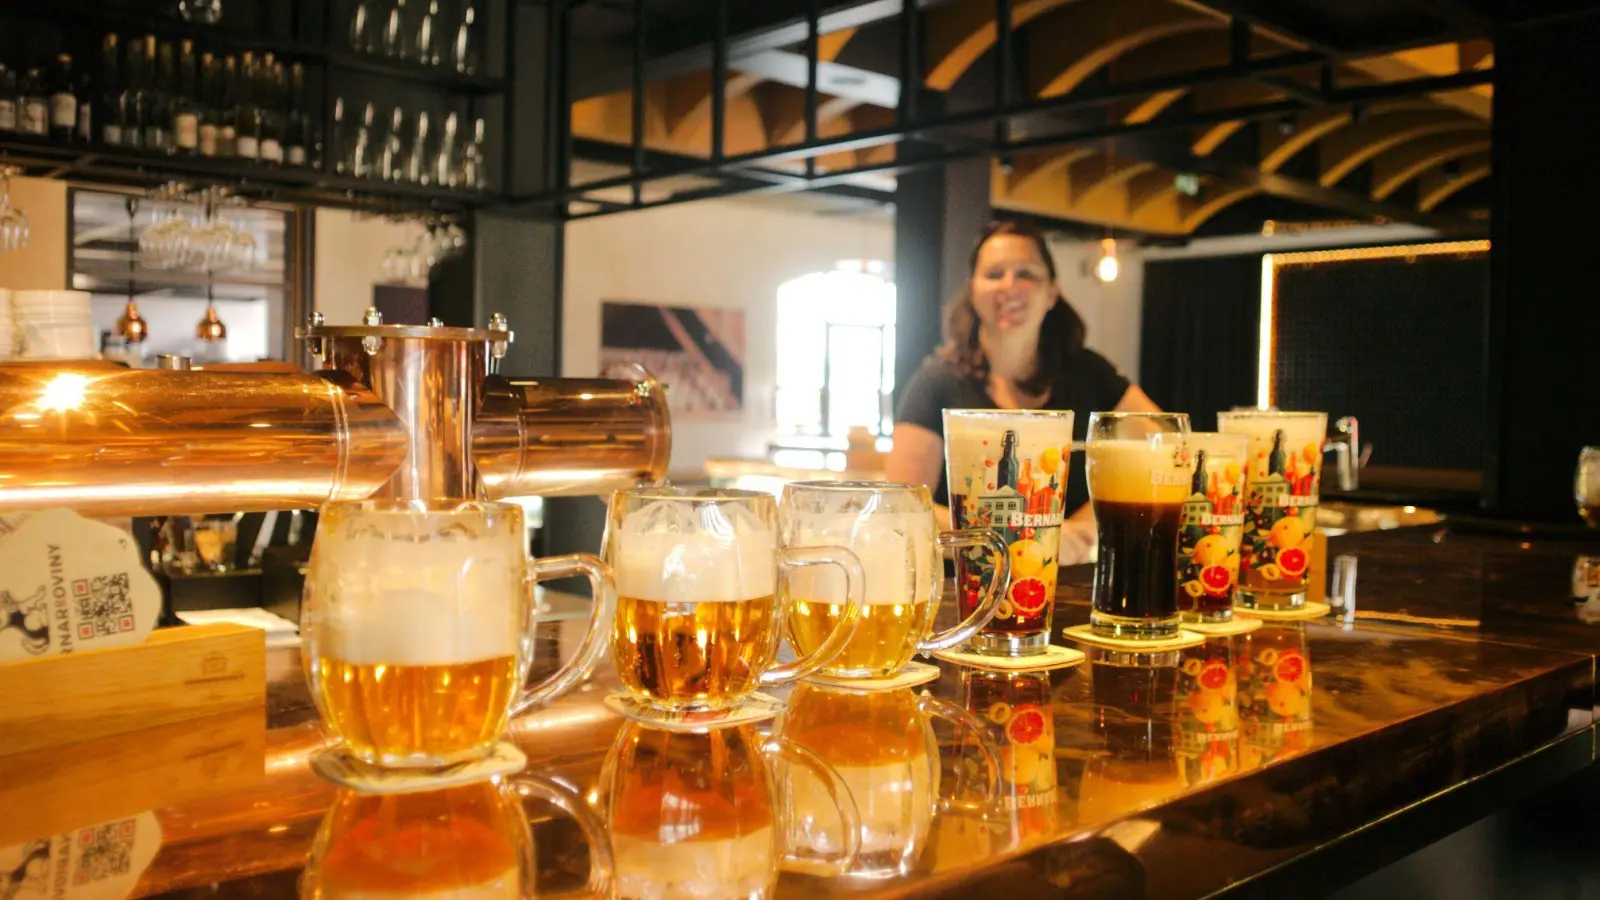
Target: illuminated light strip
column 1271, row 262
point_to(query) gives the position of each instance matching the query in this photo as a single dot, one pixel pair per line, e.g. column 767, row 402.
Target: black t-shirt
column 1087, row 383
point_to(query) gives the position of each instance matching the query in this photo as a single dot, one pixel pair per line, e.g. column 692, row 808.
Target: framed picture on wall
column 697, row 353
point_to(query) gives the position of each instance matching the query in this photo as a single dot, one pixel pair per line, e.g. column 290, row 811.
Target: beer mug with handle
column 699, row 617
column 892, row 531
column 417, row 621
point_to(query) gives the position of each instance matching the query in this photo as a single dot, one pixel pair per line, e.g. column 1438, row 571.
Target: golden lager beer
column 891, row 529
column 699, row 622
column 414, row 621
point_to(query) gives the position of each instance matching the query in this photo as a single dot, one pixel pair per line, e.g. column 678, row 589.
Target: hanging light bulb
column 211, row 328
column 1107, row 269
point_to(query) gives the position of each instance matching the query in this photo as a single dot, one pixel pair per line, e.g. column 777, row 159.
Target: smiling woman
column 1011, row 341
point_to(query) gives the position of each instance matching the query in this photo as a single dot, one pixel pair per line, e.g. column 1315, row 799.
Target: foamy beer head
column 414, row 618
column 1152, row 470
column 407, row 588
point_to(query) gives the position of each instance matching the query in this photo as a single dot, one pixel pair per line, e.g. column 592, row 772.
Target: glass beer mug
column 697, row 814
column 467, row 841
column 418, row 620
column 891, row 529
column 699, row 617
column 881, row 745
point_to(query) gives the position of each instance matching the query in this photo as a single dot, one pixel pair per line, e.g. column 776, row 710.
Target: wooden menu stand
column 176, row 675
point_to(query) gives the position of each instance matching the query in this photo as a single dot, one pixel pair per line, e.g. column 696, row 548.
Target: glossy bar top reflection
column 1174, row 775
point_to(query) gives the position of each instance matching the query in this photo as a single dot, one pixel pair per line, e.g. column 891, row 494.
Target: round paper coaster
column 913, row 674
column 1052, row 658
column 1235, row 625
column 341, row 767
column 753, row 708
column 1312, row 610
column 1184, row 638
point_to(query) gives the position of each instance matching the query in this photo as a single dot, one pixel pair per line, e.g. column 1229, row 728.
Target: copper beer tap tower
column 394, row 411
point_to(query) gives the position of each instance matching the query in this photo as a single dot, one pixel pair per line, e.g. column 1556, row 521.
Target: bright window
column 836, row 352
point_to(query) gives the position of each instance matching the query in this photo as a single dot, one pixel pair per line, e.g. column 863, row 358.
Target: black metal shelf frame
column 947, row 136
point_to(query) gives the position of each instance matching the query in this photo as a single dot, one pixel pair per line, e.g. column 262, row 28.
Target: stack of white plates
column 54, row 324
column 7, row 329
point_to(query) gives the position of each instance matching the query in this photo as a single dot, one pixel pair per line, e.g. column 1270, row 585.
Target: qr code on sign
column 104, row 851
column 104, row 606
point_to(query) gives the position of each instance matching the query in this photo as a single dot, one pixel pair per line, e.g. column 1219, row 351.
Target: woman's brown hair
column 1060, row 334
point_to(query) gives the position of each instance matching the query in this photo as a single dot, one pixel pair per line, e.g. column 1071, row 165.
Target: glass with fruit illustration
column 1274, row 671
column 891, row 528
column 698, row 814
column 881, row 744
column 1212, row 525
column 1008, row 473
column 1280, row 505
column 1016, row 709
column 1208, row 711
column 1139, row 471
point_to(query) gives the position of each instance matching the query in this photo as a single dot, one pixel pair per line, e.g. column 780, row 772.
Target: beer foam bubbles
column 1139, row 471
column 896, row 552
column 694, row 568
column 402, row 601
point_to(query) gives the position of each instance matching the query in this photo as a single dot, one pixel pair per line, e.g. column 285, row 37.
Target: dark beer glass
column 1139, row 471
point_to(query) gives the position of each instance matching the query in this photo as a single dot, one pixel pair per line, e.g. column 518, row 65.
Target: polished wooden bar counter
column 1303, row 754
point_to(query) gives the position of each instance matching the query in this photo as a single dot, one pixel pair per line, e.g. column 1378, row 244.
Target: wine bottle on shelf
column 63, row 100
column 270, row 101
column 480, row 179
column 227, row 101
column 393, row 40
column 186, row 104
column 427, row 44
column 156, row 116
column 113, row 90
column 247, row 116
column 136, row 99
column 32, row 106
column 297, row 128
column 445, row 173
column 8, row 100
column 207, row 128
column 84, row 133
column 166, row 99
column 464, row 48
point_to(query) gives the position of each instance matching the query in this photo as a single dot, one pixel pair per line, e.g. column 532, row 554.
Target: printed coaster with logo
column 341, row 767
column 753, row 708
column 1052, row 658
column 913, row 674
column 1085, row 634
column 1236, row 625
column 68, row 583
column 1312, row 610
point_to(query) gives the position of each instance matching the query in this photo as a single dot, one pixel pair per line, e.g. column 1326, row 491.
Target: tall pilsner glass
column 1139, row 472
column 1282, row 481
column 1007, row 471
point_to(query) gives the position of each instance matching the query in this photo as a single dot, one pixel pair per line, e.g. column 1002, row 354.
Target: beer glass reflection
column 417, row 621
column 1212, row 526
column 1587, row 488
column 1133, row 717
column 1208, row 711
column 892, row 530
column 1274, row 666
column 1282, row 481
column 699, row 618
column 695, row 814
column 1007, row 471
column 1016, row 709
column 882, row 746
column 1139, row 473
column 466, row 841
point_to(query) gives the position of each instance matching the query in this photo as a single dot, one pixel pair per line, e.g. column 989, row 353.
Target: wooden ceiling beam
column 1075, row 42
column 1395, row 169
column 957, row 35
column 1345, row 151
column 1438, row 186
